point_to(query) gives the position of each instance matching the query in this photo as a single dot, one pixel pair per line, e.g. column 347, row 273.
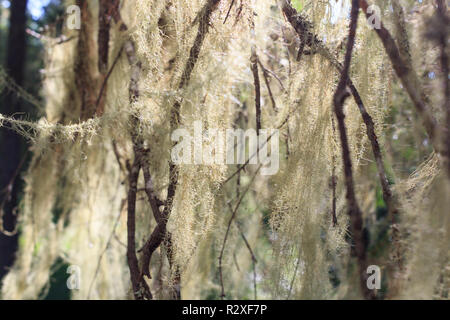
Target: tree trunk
column 10, row 143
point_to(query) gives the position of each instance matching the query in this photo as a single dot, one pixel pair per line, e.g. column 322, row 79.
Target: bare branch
column 256, row 82
column 242, row 167
column 356, row 223
column 98, row 108
column 97, row 269
column 140, row 288
column 233, row 215
column 266, row 80
column 254, row 260
column 228, row 12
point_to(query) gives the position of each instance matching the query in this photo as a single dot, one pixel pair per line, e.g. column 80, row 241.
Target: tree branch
column 256, row 82
column 233, row 215
column 98, row 108
column 408, row 79
column 266, row 80
column 159, row 232
column 302, row 26
column 440, row 35
column 140, row 288
column 356, row 222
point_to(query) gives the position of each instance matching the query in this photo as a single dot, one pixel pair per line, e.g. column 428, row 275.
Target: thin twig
column 254, row 67
column 266, row 80
column 105, row 81
column 149, row 190
column 233, row 215
column 11, row 84
column 242, row 167
column 7, row 197
column 291, row 286
column 333, row 174
column 247, row 244
column 59, row 40
column 254, row 260
column 229, row 10
column 117, row 155
column 97, row 269
column 235, row 262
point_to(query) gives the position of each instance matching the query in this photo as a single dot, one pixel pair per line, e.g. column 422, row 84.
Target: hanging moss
column 75, row 203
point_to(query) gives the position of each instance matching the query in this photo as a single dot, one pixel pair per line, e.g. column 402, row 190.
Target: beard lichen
column 74, row 205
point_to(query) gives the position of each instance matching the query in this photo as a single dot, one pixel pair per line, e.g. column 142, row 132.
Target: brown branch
column 256, row 82
column 117, row 156
column 287, row 140
column 333, row 181
column 301, row 25
column 408, row 79
column 159, row 233
column 273, row 74
column 98, row 109
column 242, row 167
column 440, row 35
column 376, row 150
column 254, row 260
column 153, row 242
column 333, row 188
column 104, row 25
column 233, row 215
column 204, row 24
column 149, row 190
column 228, row 12
column 266, row 80
column 108, row 242
column 356, row 222
column 7, row 189
column 140, row 288
column 247, row 244
column 291, row 286
column 86, row 79
column 301, row 48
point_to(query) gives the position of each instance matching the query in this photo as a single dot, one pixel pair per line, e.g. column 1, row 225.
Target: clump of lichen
column 74, row 205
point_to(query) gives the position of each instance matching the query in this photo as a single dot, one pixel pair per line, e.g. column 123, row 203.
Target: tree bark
column 11, row 143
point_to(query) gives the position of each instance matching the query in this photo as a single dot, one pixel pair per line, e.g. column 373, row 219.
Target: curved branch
column 408, row 79
column 302, row 26
column 356, row 222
